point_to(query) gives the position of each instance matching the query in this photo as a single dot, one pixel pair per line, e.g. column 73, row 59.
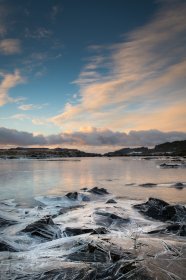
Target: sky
column 92, row 74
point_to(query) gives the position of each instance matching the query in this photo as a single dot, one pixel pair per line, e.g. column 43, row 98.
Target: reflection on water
column 24, row 179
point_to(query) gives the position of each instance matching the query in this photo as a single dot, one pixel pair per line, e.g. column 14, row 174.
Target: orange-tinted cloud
column 145, row 80
column 9, row 81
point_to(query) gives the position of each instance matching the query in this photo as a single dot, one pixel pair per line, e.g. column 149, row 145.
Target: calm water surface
column 25, row 179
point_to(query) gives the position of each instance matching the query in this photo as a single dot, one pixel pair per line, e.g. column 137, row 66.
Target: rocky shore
column 92, row 235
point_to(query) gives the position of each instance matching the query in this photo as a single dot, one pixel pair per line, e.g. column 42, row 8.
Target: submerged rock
column 44, row 228
column 161, row 210
column 100, row 191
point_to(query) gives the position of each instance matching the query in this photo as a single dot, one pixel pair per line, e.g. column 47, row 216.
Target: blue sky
column 92, row 67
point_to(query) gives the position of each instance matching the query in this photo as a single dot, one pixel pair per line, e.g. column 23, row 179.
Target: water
column 25, row 179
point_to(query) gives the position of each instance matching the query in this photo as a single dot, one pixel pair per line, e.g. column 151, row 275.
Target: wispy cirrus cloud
column 55, row 11
column 4, row 12
column 38, row 33
column 130, row 85
column 88, row 137
column 28, row 107
column 8, row 81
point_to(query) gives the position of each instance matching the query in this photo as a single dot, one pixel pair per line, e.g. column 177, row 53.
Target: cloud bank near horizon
column 90, row 137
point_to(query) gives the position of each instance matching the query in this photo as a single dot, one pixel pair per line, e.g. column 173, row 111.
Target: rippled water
column 25, row 179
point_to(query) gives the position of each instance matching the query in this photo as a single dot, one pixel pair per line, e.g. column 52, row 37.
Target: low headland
column 176, row 148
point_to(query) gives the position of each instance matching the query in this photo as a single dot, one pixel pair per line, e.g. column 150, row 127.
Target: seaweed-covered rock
column 100, row 191
column 44, row 228
column 161, row 210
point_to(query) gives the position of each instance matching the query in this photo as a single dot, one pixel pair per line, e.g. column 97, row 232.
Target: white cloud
column 39, row 33
column 27, row 107
column 9, row 81
column 10, row 46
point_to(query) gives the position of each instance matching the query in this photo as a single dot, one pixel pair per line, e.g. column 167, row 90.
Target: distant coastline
column 176, row 148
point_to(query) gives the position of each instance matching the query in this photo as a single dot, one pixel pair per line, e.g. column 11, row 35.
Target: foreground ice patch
column 82, row 236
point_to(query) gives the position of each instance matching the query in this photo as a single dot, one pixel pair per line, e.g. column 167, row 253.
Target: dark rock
column 178, row 186
column 99, row 252
column 178, row 229
column 100, row 230
column 5, row 221
column 84, row 189
column 168, row 212
column 148, row 185
column 100, row 191
column 72, row 195
column 44, row 228
column 7, row 246
column 111, row 201
column 161, row 210
column 106, row 219
column 85, row 198
column 170, row 165
column 68, row 209
column 77, row 231
column 94, row 271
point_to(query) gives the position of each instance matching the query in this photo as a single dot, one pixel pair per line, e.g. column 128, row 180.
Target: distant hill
column 43, row 153
column 176, row 148
column 128, row 151
column 173, row 148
